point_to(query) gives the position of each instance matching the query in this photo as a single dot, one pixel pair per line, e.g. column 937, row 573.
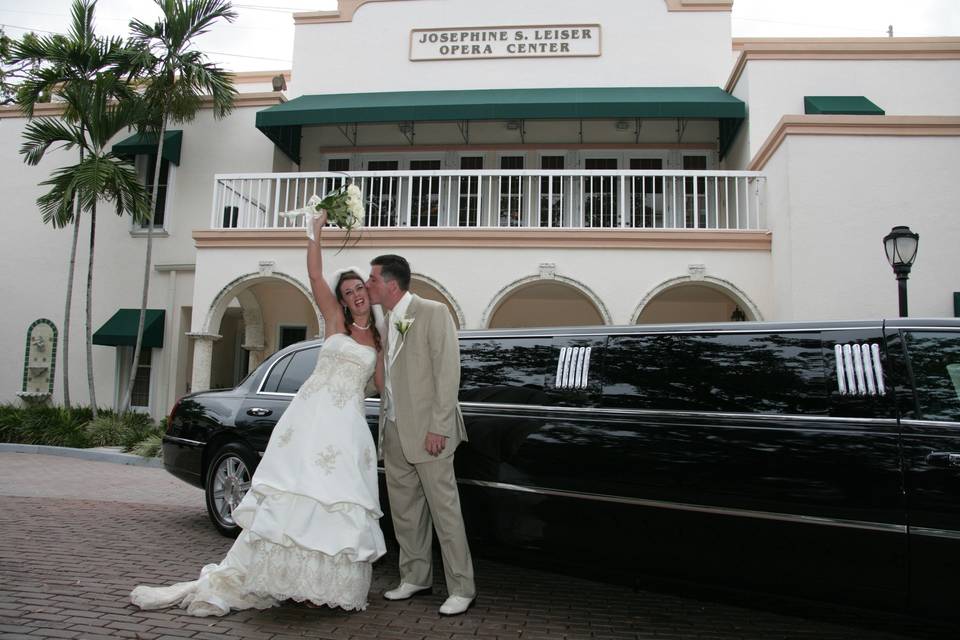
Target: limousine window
column 504, row 370
column 725, row 372
column 290, row 373
column 935, row 361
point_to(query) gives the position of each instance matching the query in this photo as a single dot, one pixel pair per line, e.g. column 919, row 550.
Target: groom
column 420, row 428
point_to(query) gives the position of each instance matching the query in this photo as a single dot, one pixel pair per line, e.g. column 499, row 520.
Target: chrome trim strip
column 858, row 369
column 878, row 369
column 559, row 381
column 696, row 508
column 841, row 374
column 848, row 364
column 192, row 443
column 275, row 394
column 868, row 367
column 934, row 533
column 929, row 423
column 586, row 368
column 617, row 331
column 528, row 408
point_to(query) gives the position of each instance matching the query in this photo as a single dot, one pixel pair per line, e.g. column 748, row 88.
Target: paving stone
column 76, row 536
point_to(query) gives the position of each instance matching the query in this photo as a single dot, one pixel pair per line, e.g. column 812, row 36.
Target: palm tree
column 93, row 115
column 175, row 79
column 59, row 62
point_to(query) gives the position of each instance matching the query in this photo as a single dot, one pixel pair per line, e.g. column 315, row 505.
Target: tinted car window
column 935, row 361
column 730, row 372
column 276, row 374
column 504, row 370
column 301, row 366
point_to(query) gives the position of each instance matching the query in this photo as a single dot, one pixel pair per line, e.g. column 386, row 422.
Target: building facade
column 540, row 163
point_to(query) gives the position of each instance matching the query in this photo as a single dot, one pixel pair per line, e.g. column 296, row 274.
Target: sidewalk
column 99, row 454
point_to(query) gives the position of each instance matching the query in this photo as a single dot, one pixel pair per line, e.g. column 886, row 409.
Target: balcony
column 519, row 199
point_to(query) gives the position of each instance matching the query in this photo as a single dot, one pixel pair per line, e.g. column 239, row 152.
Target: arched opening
column 545, row 303
column 257, row 317
column 429, row 291
column 693, row 302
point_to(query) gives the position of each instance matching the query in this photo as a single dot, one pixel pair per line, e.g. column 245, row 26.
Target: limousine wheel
column 228, row 480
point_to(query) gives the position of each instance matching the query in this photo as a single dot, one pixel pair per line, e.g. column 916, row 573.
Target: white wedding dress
column 310, row 520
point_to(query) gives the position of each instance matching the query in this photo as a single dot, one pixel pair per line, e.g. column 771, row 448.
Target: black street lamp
column 901, row 247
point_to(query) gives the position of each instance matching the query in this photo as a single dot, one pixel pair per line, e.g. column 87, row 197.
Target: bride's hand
column 319, row 222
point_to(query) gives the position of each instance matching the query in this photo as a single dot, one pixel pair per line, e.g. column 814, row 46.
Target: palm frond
column 43, row 133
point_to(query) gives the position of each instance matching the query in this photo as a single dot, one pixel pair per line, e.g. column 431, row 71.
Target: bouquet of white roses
column 344, row 206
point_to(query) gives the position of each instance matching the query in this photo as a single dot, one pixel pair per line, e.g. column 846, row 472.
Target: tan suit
column 424, row 374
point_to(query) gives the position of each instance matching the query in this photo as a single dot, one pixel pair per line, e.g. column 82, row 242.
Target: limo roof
column 721, row 327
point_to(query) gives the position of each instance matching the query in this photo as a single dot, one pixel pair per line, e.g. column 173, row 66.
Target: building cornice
column 840, row 49
column 492, row 238
column 55, row 109
column 347, row 8
column 700, row 5
column 250, row 77
column 844, row 125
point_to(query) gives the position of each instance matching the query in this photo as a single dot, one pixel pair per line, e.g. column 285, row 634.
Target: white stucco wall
column 836, row 198
column 643, row 45
column 773, row 88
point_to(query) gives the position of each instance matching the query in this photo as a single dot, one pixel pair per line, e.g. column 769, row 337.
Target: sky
column 262, row 36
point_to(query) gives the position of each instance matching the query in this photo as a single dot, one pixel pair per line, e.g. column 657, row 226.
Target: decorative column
column 202, row 360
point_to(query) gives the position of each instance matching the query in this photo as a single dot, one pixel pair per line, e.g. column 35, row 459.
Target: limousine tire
column 228, row 480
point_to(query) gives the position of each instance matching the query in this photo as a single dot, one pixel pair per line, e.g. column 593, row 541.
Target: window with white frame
column 146, row 165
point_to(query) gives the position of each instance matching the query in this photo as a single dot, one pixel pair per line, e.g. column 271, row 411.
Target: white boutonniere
column 403, row 325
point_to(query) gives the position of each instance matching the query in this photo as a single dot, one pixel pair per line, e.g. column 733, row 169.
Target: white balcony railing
column 696, row 200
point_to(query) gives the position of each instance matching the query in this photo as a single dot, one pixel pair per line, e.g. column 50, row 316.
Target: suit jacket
column 425, row 380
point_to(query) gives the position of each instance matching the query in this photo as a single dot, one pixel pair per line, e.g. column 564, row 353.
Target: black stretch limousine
column 812, row 459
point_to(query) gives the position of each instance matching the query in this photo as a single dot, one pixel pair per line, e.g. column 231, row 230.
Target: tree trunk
column 155, row 190
column 71, row 270
column 68, row 304
column 89, row 332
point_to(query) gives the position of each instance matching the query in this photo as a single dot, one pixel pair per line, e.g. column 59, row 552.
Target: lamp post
column 901, row 247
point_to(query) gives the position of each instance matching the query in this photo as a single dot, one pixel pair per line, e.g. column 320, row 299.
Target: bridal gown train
column 310, row 520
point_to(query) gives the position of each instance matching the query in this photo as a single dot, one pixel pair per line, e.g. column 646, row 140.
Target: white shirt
column 399, row 311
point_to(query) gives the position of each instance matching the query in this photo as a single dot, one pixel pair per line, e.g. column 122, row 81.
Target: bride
column 310, row 519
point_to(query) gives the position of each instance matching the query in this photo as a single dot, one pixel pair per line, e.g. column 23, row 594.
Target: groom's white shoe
column 407, row 590
column 455, row 605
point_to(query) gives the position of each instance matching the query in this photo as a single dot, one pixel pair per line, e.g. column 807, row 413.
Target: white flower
column 344, row 206
column 403, row 325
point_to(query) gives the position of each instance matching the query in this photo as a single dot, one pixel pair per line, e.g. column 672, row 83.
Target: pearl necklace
column 359, row 327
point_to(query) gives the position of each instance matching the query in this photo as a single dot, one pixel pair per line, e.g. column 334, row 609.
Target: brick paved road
column 77, row 536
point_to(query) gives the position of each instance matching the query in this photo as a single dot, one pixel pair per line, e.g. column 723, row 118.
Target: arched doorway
column 254, row 316
column 431, row 290
column 693, row 302
column 545, row 303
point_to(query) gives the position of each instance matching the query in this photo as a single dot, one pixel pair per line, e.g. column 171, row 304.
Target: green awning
column 146, row 144
column 282, row 123
column 121, row 329
column 841, row 105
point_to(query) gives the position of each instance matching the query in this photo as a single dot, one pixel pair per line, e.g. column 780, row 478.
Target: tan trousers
column 423, row 497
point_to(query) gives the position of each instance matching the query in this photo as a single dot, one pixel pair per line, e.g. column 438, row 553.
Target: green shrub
column 75, row 427
column 150, row 447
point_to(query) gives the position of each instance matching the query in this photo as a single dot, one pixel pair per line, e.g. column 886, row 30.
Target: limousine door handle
column 944, row 459
column 257, row 411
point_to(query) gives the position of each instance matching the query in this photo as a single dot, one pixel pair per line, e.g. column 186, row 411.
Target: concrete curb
column 98, row 454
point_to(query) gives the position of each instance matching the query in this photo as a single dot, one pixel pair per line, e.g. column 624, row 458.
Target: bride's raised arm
column 326, row 299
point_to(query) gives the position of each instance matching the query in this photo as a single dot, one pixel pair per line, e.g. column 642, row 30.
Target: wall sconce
column 622, row 125
column 513, row 125
column 406, row 127
column 279, row 83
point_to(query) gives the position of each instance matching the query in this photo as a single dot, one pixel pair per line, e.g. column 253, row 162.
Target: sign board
column 538, row 41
